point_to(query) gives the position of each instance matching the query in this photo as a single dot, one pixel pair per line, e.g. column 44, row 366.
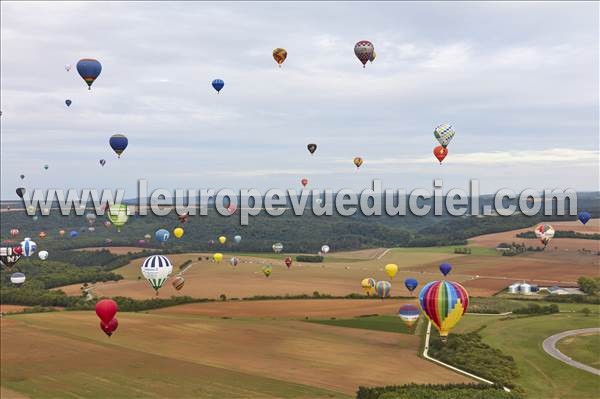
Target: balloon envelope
column 267, row 270
column 444, row 303
column 178, row 232
column 218, row 84
column 312, row 148
column 29, row 247
column 117, row 215
column 383, row 288
column 288, row 261
column 110, row 327
column 445, row 268
column 440, row 153
column 237, row 239
column 364, row 51
column 411, row 284
column 118, row 143
column 106, row 309
column 222, row 239
column 162, row 235
column 89, row 69
column 68, row 102
column 391, row 269
column 156, row 269
column 279, row 55
column 584, row 217
column 368, row 285
column 444, row 134
column 17, row 278
column 409, row 314
column 218, row 257
column 277, row 247
column 358, row 161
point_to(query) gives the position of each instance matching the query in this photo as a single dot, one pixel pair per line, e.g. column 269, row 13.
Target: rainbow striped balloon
column 382, row 288
column 444, row 303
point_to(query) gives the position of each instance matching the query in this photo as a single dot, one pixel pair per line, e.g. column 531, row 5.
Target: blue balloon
column 89, row 69
column 118, row 143
column 445, row 268
column 411, row 284
column 584, row 217
column 162, row 235
column 218, row 84
column 73, row 233
column 68, row 102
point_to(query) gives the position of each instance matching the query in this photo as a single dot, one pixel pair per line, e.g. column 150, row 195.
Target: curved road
column 550, row 348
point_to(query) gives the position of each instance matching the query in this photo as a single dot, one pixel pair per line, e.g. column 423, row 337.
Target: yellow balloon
column 178, row 232
column 222, row 239
column 218, row 257
column 368, row 285
column 391, row 269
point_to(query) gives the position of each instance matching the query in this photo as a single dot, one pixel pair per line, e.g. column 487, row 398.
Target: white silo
column 514, row 288
column 525, row 289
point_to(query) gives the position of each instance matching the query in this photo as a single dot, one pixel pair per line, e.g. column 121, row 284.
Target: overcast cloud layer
column 519, row 81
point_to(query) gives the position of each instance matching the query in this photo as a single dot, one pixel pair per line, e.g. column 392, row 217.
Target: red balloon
column 288, row 261
column 304, row 182
column 18, row 250
column 109, row 327
column 440, row 153
column 106, row 310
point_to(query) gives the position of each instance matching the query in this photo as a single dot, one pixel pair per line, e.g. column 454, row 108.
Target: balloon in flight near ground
column 61, row 233
column 178, row 282
column 218, row 84
column 17, row 278
column 20, row 192
column 411, row 284
column 14, row 232
column 162, row 235
column 178, row 232
column 444, row 134
column 584, row 217
column 211, row 243
column 444, row 303
column 267, row 270
column 325, row 249
column 368, row 286
column 73, row 233
column 91, row 218
column 117, row 215
column 304, row 182
column 222, row 240
column 106, row 309
column 68, row 102
column 277, row 247
column 89, row 69
column 409, row 314
column 237, row 239
column 42, row 235
column 107, row 223
column 110, row 327
column 391, row 269
column 218, row 257
column 544, row 232
column 43, row 255
column 288, row 261
column 68, row 67
column 445, row 268
column 118, row 142
column 383, row 288
column 9, row 256
column 312, row 148
column 156, row 269
column 279, row 54
column 440, row 153
column 234, row 261
column 358, row 161
column 364, row 51
column 29, row 247
column 102, row 162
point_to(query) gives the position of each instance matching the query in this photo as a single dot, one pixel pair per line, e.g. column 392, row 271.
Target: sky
column 518, row 81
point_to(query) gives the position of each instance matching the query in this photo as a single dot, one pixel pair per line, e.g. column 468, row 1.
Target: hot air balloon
column 218, row 84
column 277, row 247
column 107, row 224
column 46, row 167
column 444, row 134
column 68, row 102
column 102, row 162
column 411, row 284
column 444, row 303
column 183, row 218
column 373, row 57
column 162, row 235
column 20, row 192
column 383, row 288
column 544, row 232
column 237, row 239
column 117, row 214
column 218, row 257
column 312, row 148
column 222, row 240
column 391, row 269
column 178, row 232
column 147, row 237
column 267, row 270
column 234, row 261
column 584, row 217
column 279, row 54
column 106, row 309
column 231, row 209
column 43, row 255
column 73, row 233
column 91, row 218
column 409, row 314
column 157, row 269
column 35, row 218
column 440, row 153
column 17, row 278
column 29, row 247
column 118, row 143
column 89, row 69
column 445, row 268
column 364, row 51
column 368, row 285
column 22, row 176
column 9, row 256
column 358, row 161
column 304, row 182
column 110, row 327
column 61, row 233
column 14, row 232
column 288, row 261
column 68, row 67
column 178, row 282
column 42, row 235
column 325, row 249
column 211, row 243
column 91, row 229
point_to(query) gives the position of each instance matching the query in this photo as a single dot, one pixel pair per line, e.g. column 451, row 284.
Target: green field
column 541, row 376
column 584, row 349
column 377, row 323
column 480, row 251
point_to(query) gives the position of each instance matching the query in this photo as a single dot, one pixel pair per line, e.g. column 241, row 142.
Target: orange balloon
column 440, row 153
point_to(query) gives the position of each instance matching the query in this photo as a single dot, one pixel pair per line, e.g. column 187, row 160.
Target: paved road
column 550, row 348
